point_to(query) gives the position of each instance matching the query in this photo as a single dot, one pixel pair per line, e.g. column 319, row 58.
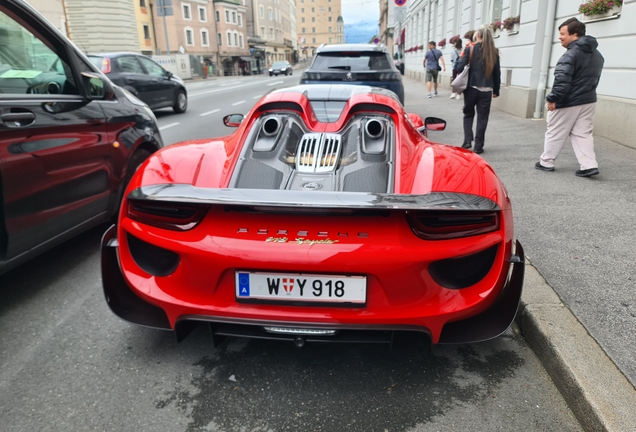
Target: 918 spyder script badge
column 299, row 241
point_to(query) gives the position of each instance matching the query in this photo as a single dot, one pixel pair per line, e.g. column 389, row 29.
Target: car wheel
column 137, row 159
column 181, row 104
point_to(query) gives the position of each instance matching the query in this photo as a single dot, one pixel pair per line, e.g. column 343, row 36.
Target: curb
column 598, row 394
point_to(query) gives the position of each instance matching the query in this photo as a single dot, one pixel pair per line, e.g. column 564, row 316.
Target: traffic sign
column 400, row 2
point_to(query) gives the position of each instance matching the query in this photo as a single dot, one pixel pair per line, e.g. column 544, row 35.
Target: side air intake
column 318, row 153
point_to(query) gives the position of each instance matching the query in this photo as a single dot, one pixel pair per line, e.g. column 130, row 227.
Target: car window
column 28, row 65
column 153, row 68
column 352, row 61
column 129, row 64
column 280, row 64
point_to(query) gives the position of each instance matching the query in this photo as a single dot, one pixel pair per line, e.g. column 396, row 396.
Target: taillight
column 311, row 76
column 106, row 65
column 452, row 224
column 388, row 76
column 172, row 216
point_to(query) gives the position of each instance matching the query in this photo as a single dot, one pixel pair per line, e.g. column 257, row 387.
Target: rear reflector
column 172, row 216
column 452, row 224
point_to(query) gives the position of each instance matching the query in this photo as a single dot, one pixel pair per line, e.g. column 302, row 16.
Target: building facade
column 318, row 22
column 231, row 37
column 100, row 26
column 145, row 27
column 530, row 50
column 53, row 10
column 272, row 22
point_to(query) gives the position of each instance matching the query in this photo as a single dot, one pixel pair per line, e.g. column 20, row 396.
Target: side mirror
column 233, row 120
column 435, row 124
column 169, row 74
column 95, row 86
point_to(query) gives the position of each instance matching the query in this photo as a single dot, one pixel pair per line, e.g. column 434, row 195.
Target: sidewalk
column 578, row 309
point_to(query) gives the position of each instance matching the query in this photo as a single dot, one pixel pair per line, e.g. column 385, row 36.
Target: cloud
column 361, row 19
column 360, row 11
column 360, row 32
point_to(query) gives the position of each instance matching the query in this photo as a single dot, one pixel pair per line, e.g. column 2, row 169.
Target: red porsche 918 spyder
column 326, row 216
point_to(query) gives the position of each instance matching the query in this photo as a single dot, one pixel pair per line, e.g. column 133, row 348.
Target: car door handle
column 18, row 119
column 129, row 80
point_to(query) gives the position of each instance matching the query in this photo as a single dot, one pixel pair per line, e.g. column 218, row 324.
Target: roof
column 351, row 47
column 334, row 92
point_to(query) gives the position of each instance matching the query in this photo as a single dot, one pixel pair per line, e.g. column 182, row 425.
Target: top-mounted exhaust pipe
column 271, row 126
column 374, row 129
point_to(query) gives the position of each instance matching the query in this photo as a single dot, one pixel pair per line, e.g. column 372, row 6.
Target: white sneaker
column 452, row 96
column 429, row 96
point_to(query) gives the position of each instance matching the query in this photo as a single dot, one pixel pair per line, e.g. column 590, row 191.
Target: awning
column 402, row 36
column 247, row 59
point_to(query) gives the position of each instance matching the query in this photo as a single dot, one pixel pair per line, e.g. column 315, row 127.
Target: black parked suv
column 70, row 139
column 145, row 79
column 362, row 64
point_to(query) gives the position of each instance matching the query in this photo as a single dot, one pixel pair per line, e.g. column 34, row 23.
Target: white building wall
column 522, row 52
column 102, row 26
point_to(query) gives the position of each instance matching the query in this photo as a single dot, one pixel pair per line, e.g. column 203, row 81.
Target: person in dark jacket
column 572, row 102
column 484, row 81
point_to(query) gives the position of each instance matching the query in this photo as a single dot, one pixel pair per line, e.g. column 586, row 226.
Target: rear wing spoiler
column 184, row 193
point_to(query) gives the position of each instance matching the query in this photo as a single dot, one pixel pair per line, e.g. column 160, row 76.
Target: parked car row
column 70, row 139
column 145, row 79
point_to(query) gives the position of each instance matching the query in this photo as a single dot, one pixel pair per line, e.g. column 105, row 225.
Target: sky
column 361, row 19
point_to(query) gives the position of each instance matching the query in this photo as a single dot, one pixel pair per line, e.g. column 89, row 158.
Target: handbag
column 460, row 83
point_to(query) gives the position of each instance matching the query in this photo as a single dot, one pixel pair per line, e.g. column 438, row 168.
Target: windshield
column 280, row 64
column 352, row 61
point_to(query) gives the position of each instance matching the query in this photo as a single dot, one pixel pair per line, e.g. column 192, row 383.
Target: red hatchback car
column 327, row 216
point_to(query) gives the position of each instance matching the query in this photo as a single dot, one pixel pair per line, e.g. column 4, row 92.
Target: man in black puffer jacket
column 572, row 101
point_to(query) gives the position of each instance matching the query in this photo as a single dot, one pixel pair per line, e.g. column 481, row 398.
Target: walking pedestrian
column 455, row 54
column 484, row 80
column 572, row 102
column 432, row 59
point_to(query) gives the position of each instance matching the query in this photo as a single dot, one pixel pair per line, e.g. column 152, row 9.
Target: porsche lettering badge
column 299, row 241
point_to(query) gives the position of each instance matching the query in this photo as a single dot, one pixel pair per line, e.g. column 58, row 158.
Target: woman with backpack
column 455, row 55
column 484, row 80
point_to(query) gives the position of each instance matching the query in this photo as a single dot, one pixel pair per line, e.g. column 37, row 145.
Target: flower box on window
column 600, row 9
column 511, row 24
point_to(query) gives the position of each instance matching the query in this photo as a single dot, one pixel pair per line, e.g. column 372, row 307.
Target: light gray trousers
column 576, row 122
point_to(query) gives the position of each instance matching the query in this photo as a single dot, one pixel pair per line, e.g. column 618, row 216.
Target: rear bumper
column 127, row 305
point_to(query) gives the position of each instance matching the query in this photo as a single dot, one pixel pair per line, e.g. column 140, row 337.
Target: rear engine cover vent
column 318, row 152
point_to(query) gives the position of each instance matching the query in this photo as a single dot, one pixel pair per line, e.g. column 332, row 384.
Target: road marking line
column 274, row 83
column 209, row 112
column 257, row 97
column 168, row 126
column 228, row 88
column 238, row 103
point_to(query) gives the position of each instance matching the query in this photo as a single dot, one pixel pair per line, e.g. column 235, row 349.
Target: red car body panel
column 401, row 293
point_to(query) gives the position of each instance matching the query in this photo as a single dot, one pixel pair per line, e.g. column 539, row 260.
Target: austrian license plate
column 301, row 287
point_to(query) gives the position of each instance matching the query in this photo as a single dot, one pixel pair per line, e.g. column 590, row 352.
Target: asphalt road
column 67, row 363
